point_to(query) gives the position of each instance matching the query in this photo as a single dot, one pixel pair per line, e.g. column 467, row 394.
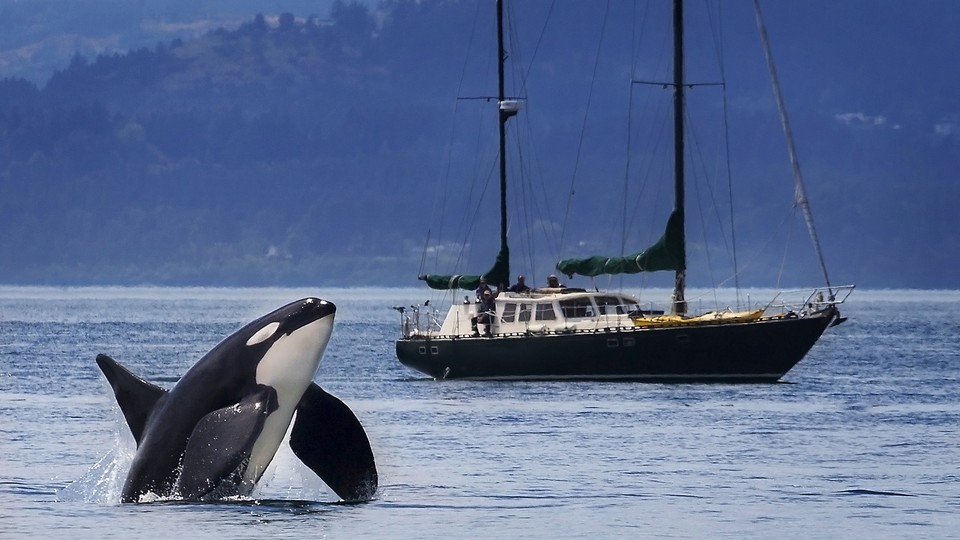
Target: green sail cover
column 496, row 276
column 667, row 254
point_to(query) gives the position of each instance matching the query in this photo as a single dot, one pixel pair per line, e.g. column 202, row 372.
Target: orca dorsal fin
column 135, row 396
column 328, row 438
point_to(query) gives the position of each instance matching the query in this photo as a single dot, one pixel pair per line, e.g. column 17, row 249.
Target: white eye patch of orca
column 263, row 334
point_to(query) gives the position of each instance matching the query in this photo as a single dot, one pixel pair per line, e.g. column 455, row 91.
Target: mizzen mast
column 679, row 303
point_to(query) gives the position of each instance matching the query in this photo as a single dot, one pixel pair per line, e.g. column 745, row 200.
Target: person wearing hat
column 486, row 314
column 553, row 282
column 483, row 288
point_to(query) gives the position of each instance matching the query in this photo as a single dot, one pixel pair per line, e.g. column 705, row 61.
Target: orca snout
column 318, row 307
column 306, row 311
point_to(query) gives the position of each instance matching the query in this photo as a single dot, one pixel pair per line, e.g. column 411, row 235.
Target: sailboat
column 559, row 333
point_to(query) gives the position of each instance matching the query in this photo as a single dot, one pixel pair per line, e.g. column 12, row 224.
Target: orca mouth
column 305, row 312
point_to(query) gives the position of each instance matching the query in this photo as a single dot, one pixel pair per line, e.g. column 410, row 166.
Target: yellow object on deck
column 714, row 317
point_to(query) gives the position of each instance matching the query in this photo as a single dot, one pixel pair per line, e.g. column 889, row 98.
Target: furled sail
column 667, row 254
column 496, row 276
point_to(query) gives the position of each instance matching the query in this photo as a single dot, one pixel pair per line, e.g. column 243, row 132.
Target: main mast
column 679, row 303
column 506, row 110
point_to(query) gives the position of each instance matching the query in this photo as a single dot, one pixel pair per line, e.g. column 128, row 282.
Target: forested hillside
column 298, row 150
column 269, row 154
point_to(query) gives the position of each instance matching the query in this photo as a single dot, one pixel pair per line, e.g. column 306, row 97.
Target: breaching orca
column 215, row 432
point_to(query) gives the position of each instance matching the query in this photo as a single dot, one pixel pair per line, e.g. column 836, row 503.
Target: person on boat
column 484, row 287
column 554, row 283
column 486, row 313
column 520, row 286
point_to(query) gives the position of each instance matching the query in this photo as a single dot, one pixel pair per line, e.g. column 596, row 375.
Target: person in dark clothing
column 520, row 286
column 484, row 287
column 554, row 283
column 486, row 314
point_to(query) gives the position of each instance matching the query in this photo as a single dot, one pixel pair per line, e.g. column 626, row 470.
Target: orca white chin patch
column 288, row 367
column 263, row 334
column 292, row 360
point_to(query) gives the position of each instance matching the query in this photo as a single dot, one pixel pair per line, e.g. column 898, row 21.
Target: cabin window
column 524, row 315
column 509, row 312
column 576, row 308
column 545, row 312
column 611, row 305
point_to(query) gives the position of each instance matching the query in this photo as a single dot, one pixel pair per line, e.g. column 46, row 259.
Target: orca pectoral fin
column 220, row 444
column 329, row 439
column 135, row 396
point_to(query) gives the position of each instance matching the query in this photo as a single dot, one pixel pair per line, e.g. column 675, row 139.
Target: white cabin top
column 544, row 311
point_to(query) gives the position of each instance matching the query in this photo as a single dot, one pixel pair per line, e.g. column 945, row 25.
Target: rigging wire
column 635, row 39
column 693, row 147
column 445, row 177
column 657, row 137
column 535, row 204
column 786, row 249
column 800, row 192
column 423, row 256
column 718, row 47
column 706, row 188
column 629, row 145
column 583, row 129
column 536, row 48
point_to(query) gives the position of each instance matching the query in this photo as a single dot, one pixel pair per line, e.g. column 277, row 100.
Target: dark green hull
column 757, row 351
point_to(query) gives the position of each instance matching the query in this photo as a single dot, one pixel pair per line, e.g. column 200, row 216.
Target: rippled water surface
column 860, row 440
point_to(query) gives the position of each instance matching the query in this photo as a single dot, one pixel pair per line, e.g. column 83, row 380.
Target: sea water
column 859, row 440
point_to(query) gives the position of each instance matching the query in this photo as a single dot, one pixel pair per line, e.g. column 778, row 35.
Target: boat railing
column 410, row 322
column 814, row 300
